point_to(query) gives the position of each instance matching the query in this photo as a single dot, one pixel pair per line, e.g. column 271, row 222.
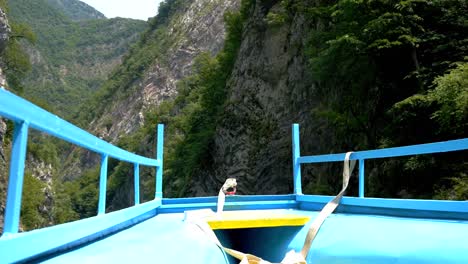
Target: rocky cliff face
column 199, row 28
column 4, row 36
column 269, row 90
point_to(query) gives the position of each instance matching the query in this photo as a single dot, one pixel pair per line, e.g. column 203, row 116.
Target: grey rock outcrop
column 270, row 89
column 43, row 171
column 4, row 36
column 5, row 30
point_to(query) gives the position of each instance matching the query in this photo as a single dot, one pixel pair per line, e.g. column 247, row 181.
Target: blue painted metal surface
column 103, row 185
column 19, row 110
column 446, row 146
column 361, row 178
column 25, row 115
column 136, row 183
column 37, row 243
column 344, row 238
column 433, row 209
column 15, row 183
column 162, row 239
column 159, row 156
column 295, row 159
column 438, row 147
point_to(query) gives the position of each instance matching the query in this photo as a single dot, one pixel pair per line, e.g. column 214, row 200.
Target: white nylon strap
column 329, row 207
column 221, row 200
column 230, row 183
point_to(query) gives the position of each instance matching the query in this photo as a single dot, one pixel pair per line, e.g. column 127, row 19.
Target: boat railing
column 361, row 157
column 25, row 115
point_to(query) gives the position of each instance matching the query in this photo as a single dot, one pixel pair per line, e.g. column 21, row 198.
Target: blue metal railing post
column 15, row 182
column 103, row 185
column 136, row 175
column 361, row 178
column 159, row 157
column 296, row 156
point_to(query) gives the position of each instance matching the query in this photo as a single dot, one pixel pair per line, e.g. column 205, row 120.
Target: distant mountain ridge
column 76, row 10
column 76, row 49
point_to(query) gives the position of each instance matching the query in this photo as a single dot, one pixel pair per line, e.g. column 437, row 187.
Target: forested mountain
column 75, row 50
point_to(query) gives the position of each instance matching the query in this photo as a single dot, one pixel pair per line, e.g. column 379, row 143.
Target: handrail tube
column 16, row 178
column 25, row 114
column 103, row 185
column 18, row 109
column 444, row 146
column 159, row 156
column 136, row 183
column 437, row 147
column 361, row 178
column 296, row 151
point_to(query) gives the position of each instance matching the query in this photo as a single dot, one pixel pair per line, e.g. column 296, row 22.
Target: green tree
column 33, row 199
column 15, row 59
column 375, row 63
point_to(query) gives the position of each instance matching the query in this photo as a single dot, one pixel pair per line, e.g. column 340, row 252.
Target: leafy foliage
column 375, row 63
column 76, row 199
column 31, row 217
column 451, row 95
column 15, row 59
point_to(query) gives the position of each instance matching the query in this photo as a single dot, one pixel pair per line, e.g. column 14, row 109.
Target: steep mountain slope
column 195, row 27
column 71, row 58
column 76, row 10
column 166, row 53
column 350, row 87
column 4, row 37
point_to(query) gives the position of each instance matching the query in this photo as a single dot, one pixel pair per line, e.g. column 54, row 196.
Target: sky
column 137, row 9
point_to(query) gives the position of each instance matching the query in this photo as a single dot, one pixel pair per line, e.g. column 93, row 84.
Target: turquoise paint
column 159, row 156
column 361, row 178
column 103, row 185
column 295, row 158
column 19, row 110
column 15, row 183
column 136, row 183
column 62, row 237
column 344, row 238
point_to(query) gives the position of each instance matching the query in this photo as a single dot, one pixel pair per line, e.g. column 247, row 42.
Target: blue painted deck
column 344, row 238
column 363, row 230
